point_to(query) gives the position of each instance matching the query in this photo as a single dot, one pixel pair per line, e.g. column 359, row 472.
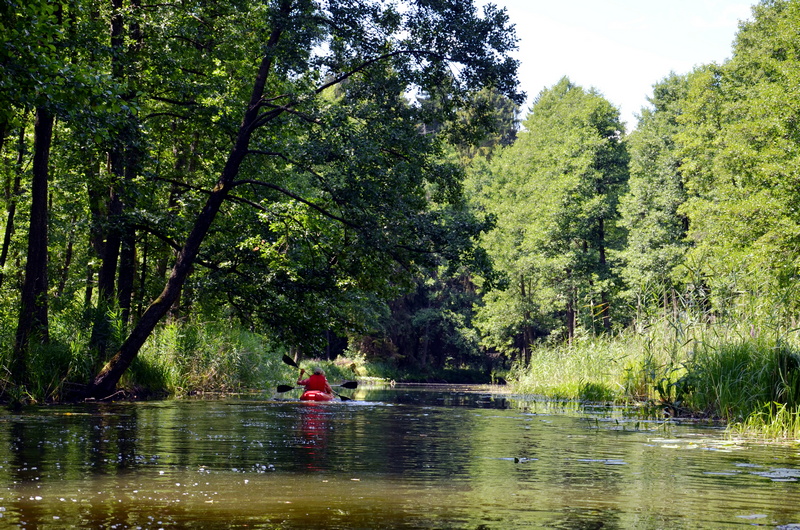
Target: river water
column 407, row 457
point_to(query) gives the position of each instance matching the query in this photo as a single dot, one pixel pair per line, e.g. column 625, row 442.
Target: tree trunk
column 33, row 322
column 109, row 255
column 127, row 273
column 106, row 277
column 105, row 382
column 184, row 164
column 127, row 258
column 604, row 301
column 118, row 250
column 142, row 291
column 64, row 276
column 12, row 197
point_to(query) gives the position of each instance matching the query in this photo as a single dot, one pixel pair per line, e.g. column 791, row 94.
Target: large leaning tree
column 330, row 165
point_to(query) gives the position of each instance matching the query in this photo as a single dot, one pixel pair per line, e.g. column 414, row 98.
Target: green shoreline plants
column 749, row 381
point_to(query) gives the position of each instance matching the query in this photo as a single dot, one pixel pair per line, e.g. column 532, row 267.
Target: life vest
column 316, row 382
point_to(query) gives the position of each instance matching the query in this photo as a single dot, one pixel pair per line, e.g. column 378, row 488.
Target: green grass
column 205, row 357
column 600, row 369
column 774, row 422
column 736, row 380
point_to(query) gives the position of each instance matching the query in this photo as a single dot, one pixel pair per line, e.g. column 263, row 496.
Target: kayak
column 316, row 395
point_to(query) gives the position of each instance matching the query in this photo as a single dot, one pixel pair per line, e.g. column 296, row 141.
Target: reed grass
column 590, row 370
column 774, row 422
column 743, row 371
column 206, row 357
column 736, row 380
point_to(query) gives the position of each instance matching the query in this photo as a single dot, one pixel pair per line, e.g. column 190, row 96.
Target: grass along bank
column 750, row 380
column 206, row 357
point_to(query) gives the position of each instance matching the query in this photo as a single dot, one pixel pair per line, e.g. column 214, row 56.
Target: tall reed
column 736, row 380
column 775, row 421
column 744, row 369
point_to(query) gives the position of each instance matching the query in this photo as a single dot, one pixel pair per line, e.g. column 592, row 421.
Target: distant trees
column 706, row 223
column 431, row 327
column 651, row 208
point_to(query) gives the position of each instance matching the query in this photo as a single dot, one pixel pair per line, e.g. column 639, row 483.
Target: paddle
column 286, row 388
column 288, row 360
column 347, row 384
column 343, row 398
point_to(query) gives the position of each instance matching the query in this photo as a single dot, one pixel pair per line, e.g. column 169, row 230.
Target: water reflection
column 314, row 425
column 397, row 458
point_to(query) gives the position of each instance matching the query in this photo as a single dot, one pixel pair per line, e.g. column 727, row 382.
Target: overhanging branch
column 298, row 198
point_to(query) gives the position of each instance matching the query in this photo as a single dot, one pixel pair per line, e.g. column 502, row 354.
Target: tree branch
column 302, row 166
column 298, row 198
column 168, row 114
column 366, row 64
column 281, row 110
column 277, row 111
column 175, row 101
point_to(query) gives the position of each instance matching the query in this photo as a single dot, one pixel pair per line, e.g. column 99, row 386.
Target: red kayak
column 316, row 395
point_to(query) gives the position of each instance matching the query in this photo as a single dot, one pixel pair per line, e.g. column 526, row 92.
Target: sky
column 619, row 47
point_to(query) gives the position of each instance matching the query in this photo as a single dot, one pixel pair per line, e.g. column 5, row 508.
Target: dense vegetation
column 259, row 163
column 192, row 189
column 661, row 265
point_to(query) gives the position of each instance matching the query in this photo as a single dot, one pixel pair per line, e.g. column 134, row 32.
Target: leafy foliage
column 650, row 209
column 554, row 193
column 740, row 150
column 271, row 148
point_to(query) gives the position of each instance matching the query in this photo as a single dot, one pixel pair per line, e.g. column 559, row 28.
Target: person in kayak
column 316, row 381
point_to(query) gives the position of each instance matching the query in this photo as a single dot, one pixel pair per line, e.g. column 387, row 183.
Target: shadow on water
column 402, row 457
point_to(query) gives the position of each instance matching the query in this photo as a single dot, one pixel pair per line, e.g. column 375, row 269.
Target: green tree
column 431, row 327
column 650, row 209
column 740, row 157
column 348, row 182
column 36, row 38
column 555, row 193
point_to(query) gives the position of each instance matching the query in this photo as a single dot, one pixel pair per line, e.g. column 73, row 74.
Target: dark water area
column 406, row 457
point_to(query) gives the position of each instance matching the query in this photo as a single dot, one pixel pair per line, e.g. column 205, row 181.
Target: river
column 406, row 457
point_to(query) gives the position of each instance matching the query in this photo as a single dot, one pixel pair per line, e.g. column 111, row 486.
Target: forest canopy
column 693, row 212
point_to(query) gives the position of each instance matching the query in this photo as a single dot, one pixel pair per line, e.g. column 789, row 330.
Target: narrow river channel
column 407, row 457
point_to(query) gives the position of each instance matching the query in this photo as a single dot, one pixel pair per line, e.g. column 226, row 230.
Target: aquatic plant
column 745, row 371
column 589, row 369
column 736, row 380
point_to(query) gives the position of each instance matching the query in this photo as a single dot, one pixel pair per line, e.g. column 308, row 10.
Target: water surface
column 409, row 457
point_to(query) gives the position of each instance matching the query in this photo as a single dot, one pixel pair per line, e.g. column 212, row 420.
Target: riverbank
column 750, row 380
column 742, row 375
